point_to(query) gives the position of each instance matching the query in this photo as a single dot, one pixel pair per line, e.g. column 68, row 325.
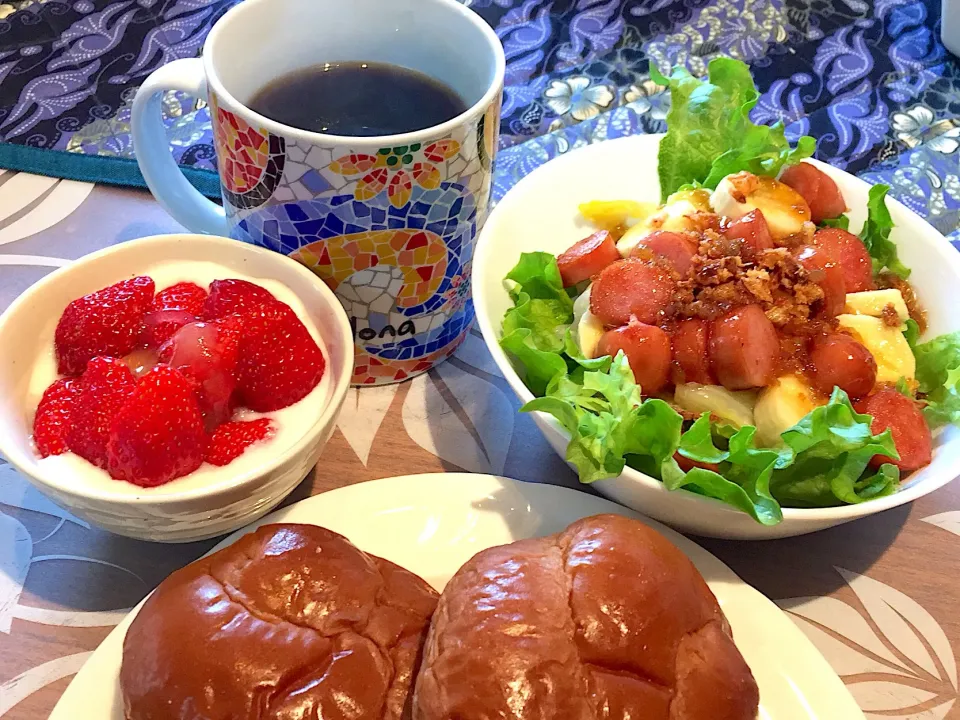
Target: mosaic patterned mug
column 388, row 222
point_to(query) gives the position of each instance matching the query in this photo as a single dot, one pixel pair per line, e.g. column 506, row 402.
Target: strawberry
column 206, row 353
column 279, row 361
column 52, row 421
column 230, row 439
column 234, row 297
column 158, row 434
column 106, row 322
column 105, row 385
column 172, row 308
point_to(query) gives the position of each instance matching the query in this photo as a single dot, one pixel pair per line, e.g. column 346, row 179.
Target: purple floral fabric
column 869, row 78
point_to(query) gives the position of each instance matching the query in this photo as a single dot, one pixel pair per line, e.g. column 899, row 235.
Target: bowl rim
column 490, row 330
column 220, row 246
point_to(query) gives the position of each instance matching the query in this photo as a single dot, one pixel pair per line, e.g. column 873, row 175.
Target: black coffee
column 359, row 99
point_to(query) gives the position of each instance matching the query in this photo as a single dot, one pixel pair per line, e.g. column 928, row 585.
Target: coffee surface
column 358, row 99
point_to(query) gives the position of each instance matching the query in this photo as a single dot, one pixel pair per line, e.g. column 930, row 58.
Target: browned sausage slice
column 678, row 249
column 850, row 252
column 647, row 348
column 744, row 348
column 911, row 434
column 691, row 362
column 752, row 229
column 587, row 257
column 839, row 360
column 631, row 288
column 826, row 272
column 817, row 188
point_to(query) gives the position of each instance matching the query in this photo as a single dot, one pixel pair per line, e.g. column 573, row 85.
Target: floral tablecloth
column 870, row 79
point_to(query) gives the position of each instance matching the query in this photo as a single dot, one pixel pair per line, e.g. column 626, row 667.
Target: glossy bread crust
column 289, row 622
column 604, row 620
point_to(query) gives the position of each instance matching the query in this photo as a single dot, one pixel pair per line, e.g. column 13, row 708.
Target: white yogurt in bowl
column 212, row 500
column 289, row 423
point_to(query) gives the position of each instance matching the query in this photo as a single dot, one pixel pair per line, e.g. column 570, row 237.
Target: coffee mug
column 388, row 222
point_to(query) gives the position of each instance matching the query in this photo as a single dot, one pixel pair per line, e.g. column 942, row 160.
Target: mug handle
column 178, row 197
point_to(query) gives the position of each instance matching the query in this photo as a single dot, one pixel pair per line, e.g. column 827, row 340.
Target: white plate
column 540, row 213
column 432, row 524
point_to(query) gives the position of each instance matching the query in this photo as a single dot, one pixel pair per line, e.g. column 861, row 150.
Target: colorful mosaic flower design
column 251, row 159
column 402, row 274
column 396, row 169
column 459, row 291
column 420, row 255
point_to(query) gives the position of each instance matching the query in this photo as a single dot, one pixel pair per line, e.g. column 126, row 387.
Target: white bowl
column 27, row 329
column 540, row 213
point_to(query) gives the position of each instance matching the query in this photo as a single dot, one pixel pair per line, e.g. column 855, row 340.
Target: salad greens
column 938, row 372
column 822, row 461
column 876, row 234
column 842, row 222
column 709, row 131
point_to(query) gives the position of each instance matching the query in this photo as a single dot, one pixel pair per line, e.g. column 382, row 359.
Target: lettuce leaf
column 842, row 222
column 709, row 132
column 938, row 373
column 746, row 471
column 833, row 445
column 534, row 329
column 912, row 332
column 876, row 234
column 607, row 421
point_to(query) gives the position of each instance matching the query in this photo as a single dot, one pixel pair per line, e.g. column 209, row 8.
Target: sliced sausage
column 839, row 360
column 744, row 348
column 587, row 257
column 647, row 348
column 691, row 363
column 677, row 248
column 817, row 188
column 825, row 271
column 850, row 252
column 752, row 228
column 911, row 435
column 631, row 287
column 686, row 464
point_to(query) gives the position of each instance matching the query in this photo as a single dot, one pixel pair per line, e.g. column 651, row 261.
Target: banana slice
column 887, row 345
column 872, row 303
column 735, row 408
column 781, row 405
column 676, row 216
column 587, row 327
column 784, row 209
column 589, row 332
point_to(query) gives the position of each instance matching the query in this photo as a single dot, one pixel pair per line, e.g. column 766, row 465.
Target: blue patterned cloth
column 870, row 80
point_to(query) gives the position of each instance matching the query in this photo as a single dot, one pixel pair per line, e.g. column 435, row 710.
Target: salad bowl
column 541, row 214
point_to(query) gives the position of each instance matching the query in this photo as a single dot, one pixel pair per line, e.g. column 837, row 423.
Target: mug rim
column 226, row 98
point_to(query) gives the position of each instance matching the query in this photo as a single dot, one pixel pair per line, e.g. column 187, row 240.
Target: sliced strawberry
column 105, row 386
column 230, row 439
column 172, row 308
column 158, row 434
column 234, row 297
column 107, row 322
column 279, row 362
column 52, row 421
column 206, row 353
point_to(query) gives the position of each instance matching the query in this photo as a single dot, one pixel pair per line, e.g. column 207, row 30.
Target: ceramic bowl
column 540, row 213
column 228, row 502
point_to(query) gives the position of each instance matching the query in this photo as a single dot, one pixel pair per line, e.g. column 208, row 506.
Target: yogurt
column 290, row 423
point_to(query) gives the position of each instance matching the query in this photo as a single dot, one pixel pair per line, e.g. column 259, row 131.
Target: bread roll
column 604, row 620
column 288, row 623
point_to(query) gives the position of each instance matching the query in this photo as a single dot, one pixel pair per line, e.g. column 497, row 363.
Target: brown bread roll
column 290, row 622
column 604, row 620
